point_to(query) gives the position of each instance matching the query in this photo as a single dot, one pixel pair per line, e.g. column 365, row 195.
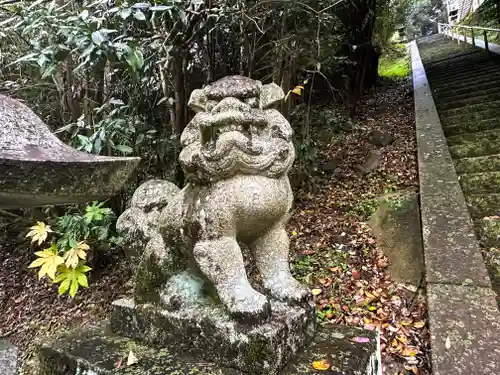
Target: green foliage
column 366, row 207
column 64, row 261
column 70, row 279
column 394, row 63
column 93, row 226
column 333, row 120
column 488, row 15
column 392, row 15
column 424, row 17
column 397, row 202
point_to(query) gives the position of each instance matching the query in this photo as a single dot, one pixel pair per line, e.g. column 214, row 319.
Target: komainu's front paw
column 286, row 288
column 246, row 304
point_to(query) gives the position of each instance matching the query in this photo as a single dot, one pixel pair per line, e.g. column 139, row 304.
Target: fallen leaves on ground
column 335, row 251
column 132, row 359
column 321, row 365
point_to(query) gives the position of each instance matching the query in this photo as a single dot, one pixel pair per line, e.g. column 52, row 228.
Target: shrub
column 64, row 261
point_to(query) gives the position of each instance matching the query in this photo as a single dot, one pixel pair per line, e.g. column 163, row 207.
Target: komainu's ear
column 198, row 101
column 271, row 95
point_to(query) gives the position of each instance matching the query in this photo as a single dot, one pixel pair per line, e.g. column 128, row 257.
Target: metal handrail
column 469, row 27
column 444, row 28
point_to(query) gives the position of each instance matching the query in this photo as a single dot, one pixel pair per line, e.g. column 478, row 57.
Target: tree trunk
column 180, row 93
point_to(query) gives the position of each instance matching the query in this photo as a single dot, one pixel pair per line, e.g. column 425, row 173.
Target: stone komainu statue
column 236, row 154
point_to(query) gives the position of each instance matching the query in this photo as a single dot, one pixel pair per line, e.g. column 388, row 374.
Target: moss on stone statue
column 159, row 262
column 257, row 351
column 95, row 352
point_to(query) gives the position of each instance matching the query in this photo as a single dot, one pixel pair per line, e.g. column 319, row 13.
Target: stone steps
column 459, row 61
column 443, row 61
column 480, row 147
column 472, row 99
column 479, row 164
column 449, row 94
column 480, row 183
column 489, row 231
column 471, row 94
column 481, row 205
column 490, row 113
column 466, row 72
column 481, row 136
column 463, row 315
column 472, row 127
column 465, row 83
column 447, row 53
column 483, row 106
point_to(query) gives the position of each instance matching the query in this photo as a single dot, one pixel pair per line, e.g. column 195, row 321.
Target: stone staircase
column 465, row 82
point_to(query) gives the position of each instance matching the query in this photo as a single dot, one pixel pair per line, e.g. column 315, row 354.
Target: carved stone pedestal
column 96, row 352
column 198, row 324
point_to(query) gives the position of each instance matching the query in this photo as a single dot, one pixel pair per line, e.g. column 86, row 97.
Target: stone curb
column 464, row 321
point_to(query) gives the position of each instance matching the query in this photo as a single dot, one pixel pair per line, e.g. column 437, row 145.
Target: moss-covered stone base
column 348, row 351
column 204, row 326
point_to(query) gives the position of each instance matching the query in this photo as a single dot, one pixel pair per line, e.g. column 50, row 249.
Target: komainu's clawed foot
column 284, row 287
column 221, row 261
column 245, row 303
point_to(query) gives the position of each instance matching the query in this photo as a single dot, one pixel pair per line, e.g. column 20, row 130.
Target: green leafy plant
column 366, row 207
column 64, row 260
column 334, row 121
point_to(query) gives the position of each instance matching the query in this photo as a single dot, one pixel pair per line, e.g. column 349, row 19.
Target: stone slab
column 451, row 250
column 464, row 322
column 396, row 224
column 96, row 352
column 261, row 348
column 8, row 358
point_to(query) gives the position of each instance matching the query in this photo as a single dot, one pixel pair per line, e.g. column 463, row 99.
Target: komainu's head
column 236, row 131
